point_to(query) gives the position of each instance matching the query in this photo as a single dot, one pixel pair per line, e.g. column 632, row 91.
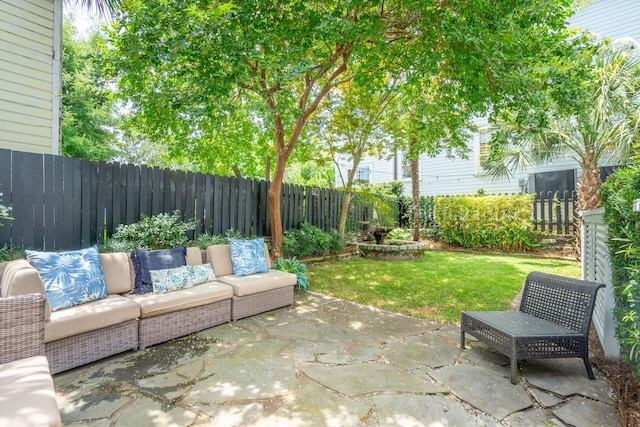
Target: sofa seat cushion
column 156, row 304
column 27, row 394
column 260, row 282
column 89, row 317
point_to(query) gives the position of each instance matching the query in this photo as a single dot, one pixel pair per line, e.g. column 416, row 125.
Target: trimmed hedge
column 617, row 195
column 494, row 222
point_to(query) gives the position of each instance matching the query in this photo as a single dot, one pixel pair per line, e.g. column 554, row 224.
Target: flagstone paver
column 244, row 379
column 419, row 411
column 565, row 377
column 145, row 412
column 483, row 389
column 368, row 378
column 328, row 362
column 587, row 413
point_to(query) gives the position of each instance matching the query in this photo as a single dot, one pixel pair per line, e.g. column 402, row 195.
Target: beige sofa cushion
column 261, row 282
column 20, row 278
column 117, row 272
column 27, row 395
column 194, row 256
column 220, row 258
column 153, row 304
column 90, row 316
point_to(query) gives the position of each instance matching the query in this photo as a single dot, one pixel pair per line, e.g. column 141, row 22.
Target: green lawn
column 436, row 287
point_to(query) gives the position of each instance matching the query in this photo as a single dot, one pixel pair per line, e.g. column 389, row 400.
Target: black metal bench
column 553, row 321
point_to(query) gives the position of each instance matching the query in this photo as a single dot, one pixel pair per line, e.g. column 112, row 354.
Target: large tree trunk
column 344, row 211
column 415, row 193
column 275, row 219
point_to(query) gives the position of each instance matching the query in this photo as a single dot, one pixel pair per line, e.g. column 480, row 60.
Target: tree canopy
column 187, row 69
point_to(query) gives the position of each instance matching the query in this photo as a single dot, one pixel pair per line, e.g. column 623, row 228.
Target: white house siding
column 441, row 175
column 26, row 75
column 610, row 18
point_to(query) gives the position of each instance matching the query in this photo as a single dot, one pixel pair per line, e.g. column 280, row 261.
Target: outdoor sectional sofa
column 123, row 321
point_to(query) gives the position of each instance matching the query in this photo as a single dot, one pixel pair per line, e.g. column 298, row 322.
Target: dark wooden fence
column 60, row 203
column 555, row 212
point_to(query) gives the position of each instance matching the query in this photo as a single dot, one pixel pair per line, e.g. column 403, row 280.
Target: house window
column 406, row 168
column 363, row 174
column 484, row 137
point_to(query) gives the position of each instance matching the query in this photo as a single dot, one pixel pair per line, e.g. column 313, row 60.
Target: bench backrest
column 561, row 300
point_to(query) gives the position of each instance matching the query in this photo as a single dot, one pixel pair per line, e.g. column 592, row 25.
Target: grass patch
column 438, row 286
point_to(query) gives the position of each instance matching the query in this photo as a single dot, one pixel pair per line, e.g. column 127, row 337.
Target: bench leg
column 587, row 364
column 462, row 339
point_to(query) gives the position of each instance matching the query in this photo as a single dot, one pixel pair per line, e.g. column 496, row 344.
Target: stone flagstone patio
column 329, row 362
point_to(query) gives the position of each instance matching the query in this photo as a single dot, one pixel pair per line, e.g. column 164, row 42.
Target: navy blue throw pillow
column 144, row 260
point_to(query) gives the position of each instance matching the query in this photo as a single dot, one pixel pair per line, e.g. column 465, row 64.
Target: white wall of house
column 30, row 46
column 441, row 175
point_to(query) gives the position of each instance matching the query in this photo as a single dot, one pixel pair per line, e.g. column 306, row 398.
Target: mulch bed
column 623, row 382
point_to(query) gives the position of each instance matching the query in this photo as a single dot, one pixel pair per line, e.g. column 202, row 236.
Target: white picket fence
column 597, row 267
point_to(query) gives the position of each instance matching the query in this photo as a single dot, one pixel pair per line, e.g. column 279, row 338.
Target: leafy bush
column 293, row 265
column 400, row 234
column 430, row 233
column 4, row 212
column 9, row 253
column 206, row 239
column 617, row 195
column 310, row 240
column 494, row 222
column 160, row 231
column 117, row 245
column 427, row 211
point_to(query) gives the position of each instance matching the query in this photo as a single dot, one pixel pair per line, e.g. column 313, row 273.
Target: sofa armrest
column 21, row 327
column 20, row 278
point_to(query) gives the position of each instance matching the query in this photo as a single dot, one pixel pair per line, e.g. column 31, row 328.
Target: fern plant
column 293, row 265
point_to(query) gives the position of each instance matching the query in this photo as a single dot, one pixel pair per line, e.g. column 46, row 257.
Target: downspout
column 56, row 94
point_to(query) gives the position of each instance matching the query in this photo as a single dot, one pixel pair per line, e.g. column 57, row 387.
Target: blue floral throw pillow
column 70, row 278
column 145, row 261
column 173, row 279
column 248, row 257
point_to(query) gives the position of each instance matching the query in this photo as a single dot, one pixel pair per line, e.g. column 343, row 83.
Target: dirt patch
column 623, row 382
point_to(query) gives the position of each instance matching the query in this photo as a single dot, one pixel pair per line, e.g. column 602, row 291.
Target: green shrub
column 160, row 231
column 4, row 212
column 10, row 252
column 617, row 195
column 204, row 240
column 400, row 234
column 427, row 211
column 309, row 240
column 117, row 245
column 430, row 233
column 494, row 222
column 293, row 265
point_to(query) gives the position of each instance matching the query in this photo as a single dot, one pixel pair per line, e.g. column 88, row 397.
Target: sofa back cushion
column 117, row 272
column 220, row 258
column 194, row 256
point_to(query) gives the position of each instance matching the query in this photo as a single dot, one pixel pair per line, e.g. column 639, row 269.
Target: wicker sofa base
column 157, row 329
column 260, row 302
column 77, row 350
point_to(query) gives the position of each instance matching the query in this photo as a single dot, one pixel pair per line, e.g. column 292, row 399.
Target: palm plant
column 105, row 8
column 605, row 130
